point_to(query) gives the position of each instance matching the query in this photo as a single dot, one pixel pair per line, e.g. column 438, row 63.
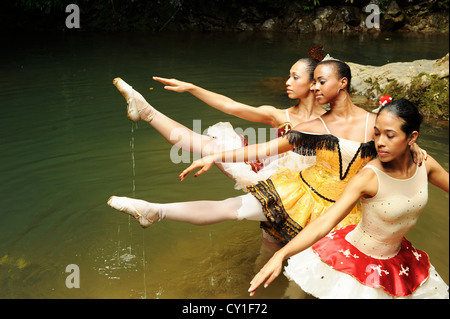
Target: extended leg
column 195, row 212
column 181, row 136
column 174, row 132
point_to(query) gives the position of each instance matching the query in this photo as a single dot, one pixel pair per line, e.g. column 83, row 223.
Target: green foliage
column 312, row 4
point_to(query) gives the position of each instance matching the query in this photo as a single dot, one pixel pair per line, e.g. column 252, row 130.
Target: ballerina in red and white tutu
column 372, row 259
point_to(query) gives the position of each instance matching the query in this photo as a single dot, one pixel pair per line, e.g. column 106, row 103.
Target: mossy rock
column 428, row 92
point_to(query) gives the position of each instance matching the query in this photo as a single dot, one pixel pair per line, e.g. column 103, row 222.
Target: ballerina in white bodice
column 393, row 211
column 372, row 259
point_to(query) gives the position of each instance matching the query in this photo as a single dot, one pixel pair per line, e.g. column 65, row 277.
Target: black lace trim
column 280, row 225
column 306, row 144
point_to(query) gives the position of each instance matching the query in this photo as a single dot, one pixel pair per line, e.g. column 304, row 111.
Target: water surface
column 67, row 146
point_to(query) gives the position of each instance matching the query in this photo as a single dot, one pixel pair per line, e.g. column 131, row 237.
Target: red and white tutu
column 335, row 269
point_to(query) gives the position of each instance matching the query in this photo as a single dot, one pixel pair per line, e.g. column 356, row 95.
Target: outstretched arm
column 365, row 182
column 247, row 153
column 263, row 114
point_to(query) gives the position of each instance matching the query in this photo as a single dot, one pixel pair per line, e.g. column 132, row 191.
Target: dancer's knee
column 250, row 209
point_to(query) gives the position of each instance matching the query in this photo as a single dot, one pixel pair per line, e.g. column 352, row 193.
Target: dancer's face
column 327, row 84
column 298, row 85
column 390, row 140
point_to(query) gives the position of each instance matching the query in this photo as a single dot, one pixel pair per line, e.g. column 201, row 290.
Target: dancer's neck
column 307, row 108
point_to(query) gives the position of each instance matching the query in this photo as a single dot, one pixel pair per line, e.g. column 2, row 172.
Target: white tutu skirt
column 322, row 281
column 227, row 139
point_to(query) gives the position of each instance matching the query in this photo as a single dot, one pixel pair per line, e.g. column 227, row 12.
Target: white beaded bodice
column 390, row 214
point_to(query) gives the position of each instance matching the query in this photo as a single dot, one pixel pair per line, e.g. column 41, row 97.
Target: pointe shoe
column 134, row 110
column 125, row 205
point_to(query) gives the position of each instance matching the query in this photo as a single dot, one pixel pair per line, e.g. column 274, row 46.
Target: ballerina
column 372, row 259
column 222, row 137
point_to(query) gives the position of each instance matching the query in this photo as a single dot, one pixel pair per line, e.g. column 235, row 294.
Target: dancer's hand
column 419, row 155
column 268, row 273
column 173, row 84
column 205, row 164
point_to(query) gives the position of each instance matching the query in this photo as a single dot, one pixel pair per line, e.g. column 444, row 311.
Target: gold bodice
column 337, row 160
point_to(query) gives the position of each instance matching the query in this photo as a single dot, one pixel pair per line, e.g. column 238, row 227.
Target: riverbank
column 303, row 16
column 423, row 82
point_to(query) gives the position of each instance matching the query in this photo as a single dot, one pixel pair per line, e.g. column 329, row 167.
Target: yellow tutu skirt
column 290, row 204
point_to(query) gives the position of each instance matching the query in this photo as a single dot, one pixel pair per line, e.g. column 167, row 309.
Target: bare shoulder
column 431, row 164
column 437, row 175
column 370, row 124
column 372, row 118
column 277, row 116
column 269, row 108
column 367, row 180
column 375, row 162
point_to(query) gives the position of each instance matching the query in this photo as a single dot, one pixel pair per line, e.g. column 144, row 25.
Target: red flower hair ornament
column 383, row 101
